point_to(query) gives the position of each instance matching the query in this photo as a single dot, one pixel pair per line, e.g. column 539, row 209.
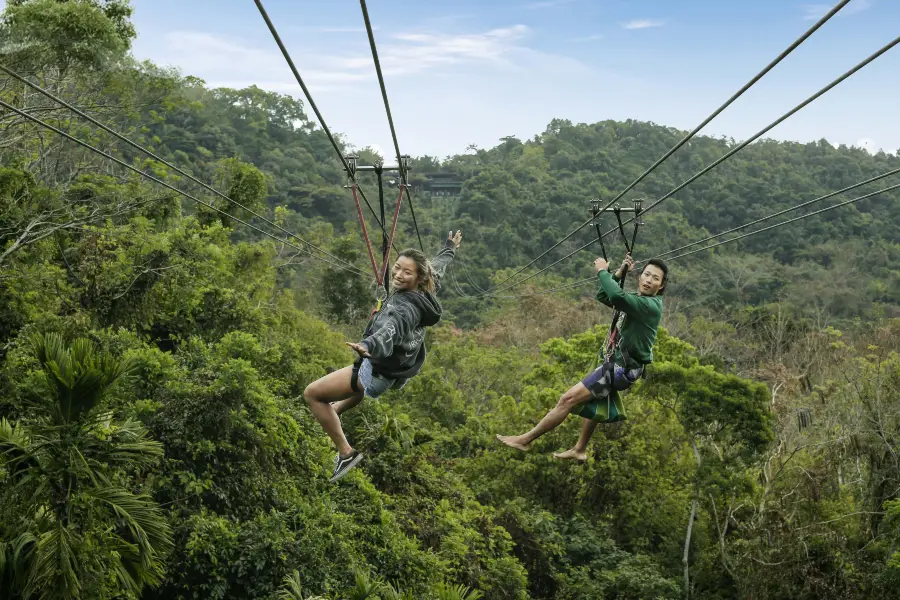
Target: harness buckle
column 380, row 297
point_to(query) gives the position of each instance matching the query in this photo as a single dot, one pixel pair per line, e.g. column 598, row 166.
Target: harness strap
column 384, row 240
column 612, row 338
column 618, row 214
column 365, row 231
column 595, row 212
column 354, row 379
column 387, row 249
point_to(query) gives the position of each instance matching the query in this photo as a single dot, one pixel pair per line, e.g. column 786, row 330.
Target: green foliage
column 83, row 33
column 456, row 592
column 73, row 522
column 241, row 182
column 154, row 441
column 347, row 297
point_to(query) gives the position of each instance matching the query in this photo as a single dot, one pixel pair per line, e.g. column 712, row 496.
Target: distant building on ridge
column 442, row 185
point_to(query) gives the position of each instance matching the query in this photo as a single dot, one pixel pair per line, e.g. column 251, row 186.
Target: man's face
column 651, row 281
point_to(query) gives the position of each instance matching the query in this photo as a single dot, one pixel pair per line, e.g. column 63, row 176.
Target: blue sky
column 466, row 71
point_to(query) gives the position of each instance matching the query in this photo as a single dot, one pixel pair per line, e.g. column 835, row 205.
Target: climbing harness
column 612, row 338
column 387, row 241
column 607, row 377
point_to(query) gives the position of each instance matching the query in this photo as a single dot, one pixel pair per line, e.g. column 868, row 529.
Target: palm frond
column 143, row 518
column 291, row 589
column 366, row 587
column 125, row 444
column 76, row 377
column 128, row 569
column 390, row 592
column 142, row 549
column 14, row 450
column 15, row 558
column 130, row 444
column 446, row 591
column 54, row 572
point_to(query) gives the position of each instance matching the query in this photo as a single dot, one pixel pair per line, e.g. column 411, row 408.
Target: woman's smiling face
column 405, row 275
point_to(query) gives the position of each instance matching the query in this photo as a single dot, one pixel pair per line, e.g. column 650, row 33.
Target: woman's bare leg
column 334, row 387
column 342, row 406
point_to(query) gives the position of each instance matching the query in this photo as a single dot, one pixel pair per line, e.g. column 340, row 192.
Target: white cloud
column 446, row 89
column 547, row 4
column 421, row 51
column 223, row 62
column 588, row 38
column 331, row 29
column 643, row 24
column 455, row 83
column 814, row 12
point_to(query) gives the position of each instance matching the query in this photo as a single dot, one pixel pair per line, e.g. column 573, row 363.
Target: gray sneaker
column 343, row 465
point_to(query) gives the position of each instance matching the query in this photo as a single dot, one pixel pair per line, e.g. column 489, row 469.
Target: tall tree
column 73, row 524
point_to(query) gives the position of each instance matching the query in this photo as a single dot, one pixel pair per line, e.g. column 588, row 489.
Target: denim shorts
column 374, row 384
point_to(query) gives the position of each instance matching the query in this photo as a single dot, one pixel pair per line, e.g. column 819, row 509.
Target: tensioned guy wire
column 152, row 155
column 731, row 153
column 118, row 161
column 692, row 133
column 312, row 104
column 387, row 107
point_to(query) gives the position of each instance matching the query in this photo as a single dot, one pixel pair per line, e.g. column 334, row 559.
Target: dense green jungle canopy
column 154, row 442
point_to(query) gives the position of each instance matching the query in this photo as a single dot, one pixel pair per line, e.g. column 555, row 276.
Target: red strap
column 362, row 222
column 387, row 251
column 613, row 336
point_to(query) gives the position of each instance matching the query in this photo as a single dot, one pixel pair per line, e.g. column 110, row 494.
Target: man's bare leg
column 579, row 452
column 577, row 394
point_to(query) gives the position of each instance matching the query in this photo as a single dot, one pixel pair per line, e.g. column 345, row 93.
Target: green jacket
column 642, row 317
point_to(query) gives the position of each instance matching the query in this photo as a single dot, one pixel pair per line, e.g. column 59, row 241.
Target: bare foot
column 571, row 454
column 513, row 442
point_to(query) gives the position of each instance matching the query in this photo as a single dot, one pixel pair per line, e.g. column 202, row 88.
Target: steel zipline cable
column 387, row 107
column 779, row 213
column 746, row 235
column 691, row 134
column 312, row 104
column 724, row 157
column 161, row 160
column 118, row 161
column 776, row 225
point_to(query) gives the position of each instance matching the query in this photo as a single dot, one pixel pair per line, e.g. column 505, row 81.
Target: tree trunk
column 687, row 548
column 690, row 527
column 721, row 529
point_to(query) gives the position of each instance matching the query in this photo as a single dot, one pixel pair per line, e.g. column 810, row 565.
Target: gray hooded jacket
column 395, row 335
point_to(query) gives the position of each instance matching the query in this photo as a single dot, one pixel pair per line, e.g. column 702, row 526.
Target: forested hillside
column 154, row 441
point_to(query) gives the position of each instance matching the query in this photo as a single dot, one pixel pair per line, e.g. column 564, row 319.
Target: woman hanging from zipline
column 596, row 396
column 392, row 349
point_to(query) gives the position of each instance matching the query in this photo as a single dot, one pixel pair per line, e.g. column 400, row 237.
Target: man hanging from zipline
column 629, row 349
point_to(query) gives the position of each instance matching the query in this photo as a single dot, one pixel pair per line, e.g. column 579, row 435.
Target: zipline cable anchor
column 595, row 216
column 638, row 211
column 352, row 169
